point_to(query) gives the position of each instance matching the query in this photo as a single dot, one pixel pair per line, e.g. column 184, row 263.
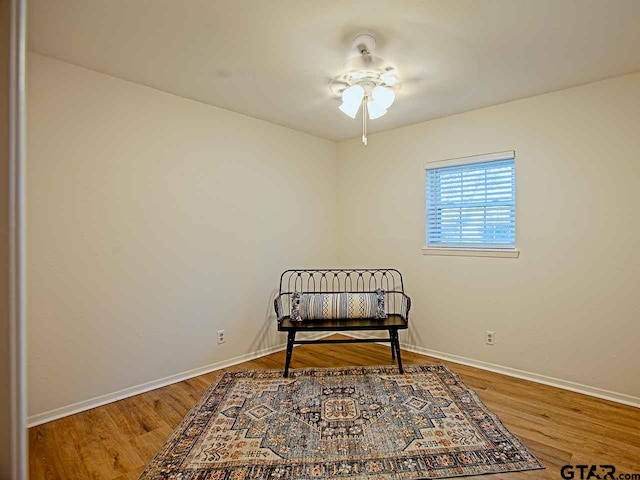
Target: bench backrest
column 347, row 280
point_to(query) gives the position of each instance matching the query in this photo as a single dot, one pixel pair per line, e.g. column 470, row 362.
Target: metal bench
column 397, row 305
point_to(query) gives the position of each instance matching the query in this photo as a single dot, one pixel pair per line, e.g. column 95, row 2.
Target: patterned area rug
column 349, row 423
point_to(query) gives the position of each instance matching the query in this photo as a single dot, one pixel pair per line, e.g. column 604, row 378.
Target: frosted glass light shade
column 389, row 78
column 351, row 100
column 375, row 109
column 383, row 96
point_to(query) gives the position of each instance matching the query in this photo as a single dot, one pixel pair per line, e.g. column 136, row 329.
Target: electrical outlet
column 490, row 338
column 222, row 336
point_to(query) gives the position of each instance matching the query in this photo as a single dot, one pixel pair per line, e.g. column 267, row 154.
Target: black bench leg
column 396, row 342
column 393, row 346
column 290, row 339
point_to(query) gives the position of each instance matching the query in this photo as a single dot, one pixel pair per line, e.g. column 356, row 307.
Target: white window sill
column 472, row 252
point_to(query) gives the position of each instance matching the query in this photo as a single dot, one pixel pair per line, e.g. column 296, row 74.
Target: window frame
column 466, row 250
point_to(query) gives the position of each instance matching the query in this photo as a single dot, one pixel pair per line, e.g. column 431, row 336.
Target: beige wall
column 5, row 435
column 569, row 307
column 155, row 221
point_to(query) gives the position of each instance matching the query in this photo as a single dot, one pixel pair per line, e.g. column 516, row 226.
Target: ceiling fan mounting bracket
column 364, row 44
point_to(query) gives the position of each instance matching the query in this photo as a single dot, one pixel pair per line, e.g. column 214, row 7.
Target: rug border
column 495, row 418
column 181, row 427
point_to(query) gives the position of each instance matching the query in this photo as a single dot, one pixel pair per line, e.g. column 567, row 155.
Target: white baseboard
column 513, row 372
column 94, row 402
column 54, row 414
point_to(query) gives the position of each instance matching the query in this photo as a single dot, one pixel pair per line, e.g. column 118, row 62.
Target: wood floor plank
column 134, row 416
column 116, row 441
column 100, row 443
column 47, row 456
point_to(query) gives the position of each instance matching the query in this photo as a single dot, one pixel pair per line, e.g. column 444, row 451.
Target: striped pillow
column 332, row 306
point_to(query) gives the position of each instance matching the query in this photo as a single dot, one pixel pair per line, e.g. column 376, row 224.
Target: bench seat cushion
column 331, row 306
column 392, row 321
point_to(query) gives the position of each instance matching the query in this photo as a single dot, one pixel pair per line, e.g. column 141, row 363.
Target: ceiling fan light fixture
column 383, row 96
column 389, row 78
column 368, row 82
column 375, row 109
column 351, row 100
column 349, row 110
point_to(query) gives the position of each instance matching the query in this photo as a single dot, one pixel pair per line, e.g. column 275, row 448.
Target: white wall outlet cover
column 490, row 338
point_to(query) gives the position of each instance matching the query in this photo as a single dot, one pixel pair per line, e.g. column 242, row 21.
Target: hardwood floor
column 117, row 440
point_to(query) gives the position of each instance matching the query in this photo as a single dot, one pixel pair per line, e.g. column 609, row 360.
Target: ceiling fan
column 368, row 82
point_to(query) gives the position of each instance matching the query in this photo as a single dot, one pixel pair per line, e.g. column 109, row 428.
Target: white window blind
column 472, row 205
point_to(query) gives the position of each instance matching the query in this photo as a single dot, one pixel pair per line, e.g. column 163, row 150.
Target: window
column 471, row 206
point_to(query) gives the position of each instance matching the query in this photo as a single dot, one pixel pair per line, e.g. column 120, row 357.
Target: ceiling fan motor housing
column 364, row 68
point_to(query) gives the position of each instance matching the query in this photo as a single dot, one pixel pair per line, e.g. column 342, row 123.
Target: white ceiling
column 273, row 59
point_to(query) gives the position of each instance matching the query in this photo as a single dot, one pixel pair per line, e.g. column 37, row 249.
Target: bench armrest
column 406, row 306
